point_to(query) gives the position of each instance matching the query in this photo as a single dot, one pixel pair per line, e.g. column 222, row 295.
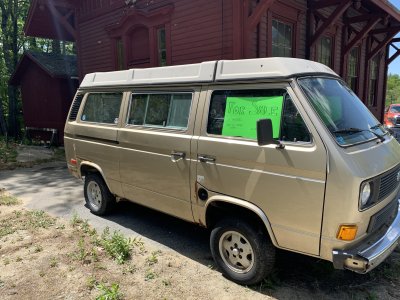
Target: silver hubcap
column 236, row 252
column 94, row 194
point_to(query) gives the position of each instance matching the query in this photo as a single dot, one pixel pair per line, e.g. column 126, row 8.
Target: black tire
column 230, row 237
column 97, row 195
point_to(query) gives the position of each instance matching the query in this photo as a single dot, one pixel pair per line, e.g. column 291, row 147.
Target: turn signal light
column 347, row 232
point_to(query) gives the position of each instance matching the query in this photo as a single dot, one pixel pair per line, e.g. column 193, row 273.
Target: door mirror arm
column 265, row 134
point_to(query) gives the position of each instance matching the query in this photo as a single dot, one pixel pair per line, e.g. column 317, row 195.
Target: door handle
column 176, row 156
column 206, row 159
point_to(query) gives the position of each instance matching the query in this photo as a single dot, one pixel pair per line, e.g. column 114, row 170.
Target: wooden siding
column 46, row 100
column 204, row 30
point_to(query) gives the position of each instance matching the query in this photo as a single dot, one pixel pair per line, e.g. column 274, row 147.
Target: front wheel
column 97, row 195
column 244, row 254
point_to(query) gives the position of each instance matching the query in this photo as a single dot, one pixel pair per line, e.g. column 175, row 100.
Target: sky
column 394, row 67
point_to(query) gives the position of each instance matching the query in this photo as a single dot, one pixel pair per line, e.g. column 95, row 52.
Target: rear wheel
column 97, row 195
column 243, row 253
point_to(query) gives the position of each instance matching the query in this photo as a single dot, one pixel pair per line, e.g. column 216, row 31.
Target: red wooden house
column 350, row 36
column 48, row 83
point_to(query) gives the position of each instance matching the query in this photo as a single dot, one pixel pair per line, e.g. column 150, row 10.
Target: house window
column 352, row 68
column 282, row 39
column 325, row 51
column 373, row 80
column 120, row 55
column 161, row 47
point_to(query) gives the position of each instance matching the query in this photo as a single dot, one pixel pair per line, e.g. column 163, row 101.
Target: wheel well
column 85, row 170
column 219, row 210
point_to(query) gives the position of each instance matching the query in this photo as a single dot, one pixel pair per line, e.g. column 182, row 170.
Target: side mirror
column 265, row 133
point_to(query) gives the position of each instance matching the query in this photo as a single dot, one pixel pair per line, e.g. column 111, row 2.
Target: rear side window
column 160, row 110
column 102, row 108
column 235, row 114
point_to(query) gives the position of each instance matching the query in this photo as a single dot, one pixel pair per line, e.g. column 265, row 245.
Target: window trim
column 357, row 67
column 83, row 105
column 374, row 103
column 285, row 20
column 293, row 35
column 288, row 89
column 157, row 127
column 318, row 49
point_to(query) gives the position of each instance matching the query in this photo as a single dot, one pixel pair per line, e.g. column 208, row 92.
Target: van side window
column 235, row 114
column 160, row 110
column 102, row 108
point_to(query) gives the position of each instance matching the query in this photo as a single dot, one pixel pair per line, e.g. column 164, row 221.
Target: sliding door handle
column 176, row 156
column 206, row 159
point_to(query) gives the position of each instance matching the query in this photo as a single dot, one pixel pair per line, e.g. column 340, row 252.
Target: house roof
column 56, row 66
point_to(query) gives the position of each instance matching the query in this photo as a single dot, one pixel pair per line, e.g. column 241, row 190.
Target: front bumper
column 368, row 255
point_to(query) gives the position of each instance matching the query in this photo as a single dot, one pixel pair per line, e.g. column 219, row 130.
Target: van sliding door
column 155, row 150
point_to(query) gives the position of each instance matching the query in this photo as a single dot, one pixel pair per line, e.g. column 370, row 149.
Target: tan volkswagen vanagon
column 268, row 153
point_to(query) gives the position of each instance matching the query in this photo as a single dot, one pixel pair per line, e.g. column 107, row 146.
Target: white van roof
column 208, row 72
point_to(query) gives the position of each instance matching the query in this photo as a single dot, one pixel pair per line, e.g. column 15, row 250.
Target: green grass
column 8, row 200
column 25, row 220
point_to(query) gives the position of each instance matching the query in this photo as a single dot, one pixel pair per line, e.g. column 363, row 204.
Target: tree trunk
column 3, row 125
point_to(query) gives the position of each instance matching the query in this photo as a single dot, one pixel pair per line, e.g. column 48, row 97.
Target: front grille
column 397, row 121
column 384, row 217
column 388, row 183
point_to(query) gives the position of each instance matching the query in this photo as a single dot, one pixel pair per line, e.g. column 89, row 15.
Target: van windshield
column 342, row 112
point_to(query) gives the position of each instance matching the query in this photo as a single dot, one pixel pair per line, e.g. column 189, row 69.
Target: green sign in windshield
column 242, row 114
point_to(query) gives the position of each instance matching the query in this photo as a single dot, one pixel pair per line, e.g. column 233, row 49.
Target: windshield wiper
column 355, row 130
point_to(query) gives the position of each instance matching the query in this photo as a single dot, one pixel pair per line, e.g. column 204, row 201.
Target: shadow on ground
column 51, row 188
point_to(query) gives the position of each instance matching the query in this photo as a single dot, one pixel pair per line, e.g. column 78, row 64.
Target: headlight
column 365, row 194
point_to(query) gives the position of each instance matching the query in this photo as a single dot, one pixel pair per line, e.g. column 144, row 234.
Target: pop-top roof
column 208, row 72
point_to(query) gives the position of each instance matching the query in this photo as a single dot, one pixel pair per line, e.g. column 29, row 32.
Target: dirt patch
column 42, row 257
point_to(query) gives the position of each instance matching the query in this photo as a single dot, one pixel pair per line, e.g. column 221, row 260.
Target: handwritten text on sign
column 242, row 114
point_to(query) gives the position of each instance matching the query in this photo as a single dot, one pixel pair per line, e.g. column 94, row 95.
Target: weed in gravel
column 18, row 259
column 150, row 275
column 39, row 219
column 75, row 220
column 116, row 245
column 152, row 259
column 129, row 269
column 38, row 249
column 6, row 261
column 42, row 273
column 81, row 253
column 91, row 282
column 166, row 282
column 53, row 262
column 109, row 293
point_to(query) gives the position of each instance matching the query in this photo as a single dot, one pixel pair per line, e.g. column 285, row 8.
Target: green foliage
column 7, row 200
column 109, row 293
column 8, row 151
column 116, row 245
column 13, row 14
column 393, row 89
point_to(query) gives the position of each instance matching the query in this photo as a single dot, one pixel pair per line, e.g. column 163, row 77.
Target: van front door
column 155, row 151
column 287, row 184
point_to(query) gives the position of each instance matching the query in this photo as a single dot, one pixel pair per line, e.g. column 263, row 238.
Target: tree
column 12, row 14
column 393, row 89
